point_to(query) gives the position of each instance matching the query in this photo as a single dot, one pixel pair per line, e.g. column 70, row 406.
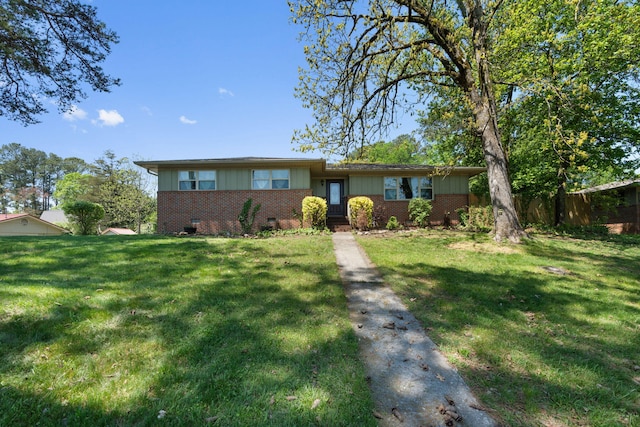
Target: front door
column 335, row 197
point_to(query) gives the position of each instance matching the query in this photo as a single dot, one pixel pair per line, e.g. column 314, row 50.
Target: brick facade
column 622, row 220
column 217, row 211
column 442, row 203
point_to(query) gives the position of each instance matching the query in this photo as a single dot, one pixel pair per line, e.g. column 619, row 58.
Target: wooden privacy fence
column 624, row 218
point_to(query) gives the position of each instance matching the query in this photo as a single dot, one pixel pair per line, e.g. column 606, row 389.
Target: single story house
column 112, row 231
column 23, row 224
column 619, row 205
column 209, row 194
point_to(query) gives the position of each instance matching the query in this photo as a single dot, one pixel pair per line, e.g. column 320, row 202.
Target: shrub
column 314, row 212
column 84, row 216
column 361, row 212
column 463, row 214
column 393, row 223
column 481, row 218
column 476, row 218
column 419, row 211
column 298, row 217
column 247, row 217
column 379, row 216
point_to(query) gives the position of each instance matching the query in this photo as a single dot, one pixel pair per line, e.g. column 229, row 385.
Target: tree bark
column 505, row 217
column 561, row 196
column 481, row 95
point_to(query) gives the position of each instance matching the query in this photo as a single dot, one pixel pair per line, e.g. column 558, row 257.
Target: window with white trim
column 197, row 180
column 406, row 188
column 270, row 179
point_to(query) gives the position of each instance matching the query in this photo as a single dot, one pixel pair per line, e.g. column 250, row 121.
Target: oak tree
column 363, row 56
column 568, row 101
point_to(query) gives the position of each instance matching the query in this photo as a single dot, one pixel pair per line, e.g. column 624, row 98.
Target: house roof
column 274, row 162
column 619, row 185
column 113, row 230
column 14, row 217
column 53, row 216
column 9, row 217
column 376, row 168
column 317, row 166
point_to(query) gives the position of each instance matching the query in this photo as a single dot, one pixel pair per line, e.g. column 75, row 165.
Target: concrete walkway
column 411, row 381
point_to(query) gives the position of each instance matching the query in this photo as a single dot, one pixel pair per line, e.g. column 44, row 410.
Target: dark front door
column 335, row 197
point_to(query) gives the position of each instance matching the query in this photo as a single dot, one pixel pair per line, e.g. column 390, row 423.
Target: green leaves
column 84, row 216
column 50, row 49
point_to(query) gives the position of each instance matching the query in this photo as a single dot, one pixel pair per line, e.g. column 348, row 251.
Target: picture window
column 407, row 188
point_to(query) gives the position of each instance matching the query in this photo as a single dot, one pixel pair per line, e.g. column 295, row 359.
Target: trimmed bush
column 314, row 212
column 361, row 212
column 420, row 211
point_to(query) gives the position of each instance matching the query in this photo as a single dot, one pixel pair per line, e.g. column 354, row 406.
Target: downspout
column 150, row 172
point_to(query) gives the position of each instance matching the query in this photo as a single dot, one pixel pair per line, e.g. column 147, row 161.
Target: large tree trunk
column 505, row 217
column 480, row 92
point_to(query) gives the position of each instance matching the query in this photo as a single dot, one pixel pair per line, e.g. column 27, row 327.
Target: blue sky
column 200, row 79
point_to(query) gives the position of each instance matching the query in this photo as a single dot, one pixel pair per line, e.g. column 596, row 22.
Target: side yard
column 149, row 330
column 546, row 333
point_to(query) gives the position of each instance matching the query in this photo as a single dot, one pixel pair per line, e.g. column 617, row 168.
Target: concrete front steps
column 338, row 223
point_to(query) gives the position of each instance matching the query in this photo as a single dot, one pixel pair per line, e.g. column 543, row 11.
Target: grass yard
column 542, row 346
column 149, row 330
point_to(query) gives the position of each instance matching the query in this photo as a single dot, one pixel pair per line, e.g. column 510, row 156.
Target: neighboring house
column 117, row 231
column 55, row 216
column 625, row 216
column 209, row 194
column 27, row 225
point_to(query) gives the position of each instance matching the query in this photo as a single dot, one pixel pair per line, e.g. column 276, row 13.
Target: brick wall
column 441, row 203
column 218, row 210
column 623, row 220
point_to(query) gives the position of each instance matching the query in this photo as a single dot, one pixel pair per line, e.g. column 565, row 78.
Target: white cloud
column 223, row 91
column 74, row 114
column 108, row 118
column 186, row 121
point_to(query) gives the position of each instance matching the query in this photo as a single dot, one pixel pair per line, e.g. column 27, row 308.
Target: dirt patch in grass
column 489, row 247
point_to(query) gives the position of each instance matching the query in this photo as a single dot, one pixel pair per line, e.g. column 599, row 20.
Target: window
column 406, row 188
column 265, row 179
column 197, row 180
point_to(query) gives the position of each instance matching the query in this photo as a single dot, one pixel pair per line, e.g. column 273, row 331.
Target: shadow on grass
column 534, row 346
column 236, row 332
column 615, row 255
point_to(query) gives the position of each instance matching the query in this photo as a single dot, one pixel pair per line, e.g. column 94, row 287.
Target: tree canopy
column 32, row 181
column 569, row 106
column 567, row 65
column 84, row 216
column 404, row 149
column 49, row 49
column 364, row 56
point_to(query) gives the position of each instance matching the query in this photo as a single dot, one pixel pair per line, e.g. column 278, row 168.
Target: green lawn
column 149, row 330
column 540, row 348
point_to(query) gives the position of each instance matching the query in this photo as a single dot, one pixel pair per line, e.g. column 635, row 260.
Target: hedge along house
column 209, row 194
